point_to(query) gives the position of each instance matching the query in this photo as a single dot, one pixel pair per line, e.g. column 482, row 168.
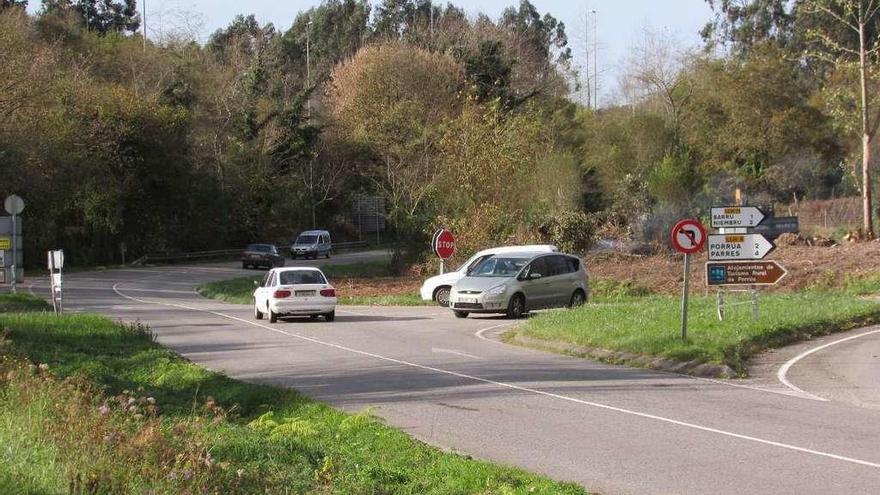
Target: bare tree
column 654, row 70
column 858, row 18
column 323, row 176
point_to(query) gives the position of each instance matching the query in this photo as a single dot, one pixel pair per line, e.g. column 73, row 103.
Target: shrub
column 571, row 231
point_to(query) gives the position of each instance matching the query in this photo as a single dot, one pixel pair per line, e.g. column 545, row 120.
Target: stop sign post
column 443, row 244
column 688, row 237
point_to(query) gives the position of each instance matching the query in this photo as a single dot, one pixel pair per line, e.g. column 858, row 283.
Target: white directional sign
column 736, row 216
column 730, row 247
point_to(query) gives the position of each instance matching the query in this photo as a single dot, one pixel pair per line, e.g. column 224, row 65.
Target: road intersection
column 451, row 383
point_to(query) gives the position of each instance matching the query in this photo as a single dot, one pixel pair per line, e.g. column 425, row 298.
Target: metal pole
column 595, row 60
column 308, row 71
column 442, row 266
column 720, row 305
column 684, row 297
column 754, row 303
column 144, row 7
column 14, row 255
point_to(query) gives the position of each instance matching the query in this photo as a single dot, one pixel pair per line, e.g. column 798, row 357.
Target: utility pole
column 595, row 60
column 144, row 9
column 308, row 71
column 589, row 82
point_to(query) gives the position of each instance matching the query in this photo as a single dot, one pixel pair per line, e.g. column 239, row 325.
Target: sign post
column 56, row 263
column 14, row 206
column 734, row 258
column 688, row 237
column 443, row 245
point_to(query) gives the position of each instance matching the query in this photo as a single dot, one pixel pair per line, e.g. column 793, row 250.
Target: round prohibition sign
column 688, row 236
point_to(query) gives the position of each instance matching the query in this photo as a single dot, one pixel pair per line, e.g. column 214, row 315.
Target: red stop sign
column 444, row 244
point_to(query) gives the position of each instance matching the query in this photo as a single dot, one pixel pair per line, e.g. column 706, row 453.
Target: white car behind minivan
column 437, row 288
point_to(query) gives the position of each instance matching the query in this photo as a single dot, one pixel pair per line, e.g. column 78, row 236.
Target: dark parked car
column 261, row 255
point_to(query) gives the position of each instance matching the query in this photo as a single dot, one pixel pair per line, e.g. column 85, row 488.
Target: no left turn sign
column 688, row 236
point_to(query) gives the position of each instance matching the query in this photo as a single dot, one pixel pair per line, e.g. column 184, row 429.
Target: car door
column 267, row 288
column 536, row 290
column 559, row 287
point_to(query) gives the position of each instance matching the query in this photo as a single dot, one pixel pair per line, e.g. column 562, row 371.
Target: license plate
column 304, row 293
column 467, row 300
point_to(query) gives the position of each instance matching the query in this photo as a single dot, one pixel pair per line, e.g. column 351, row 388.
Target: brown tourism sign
column 744, row 273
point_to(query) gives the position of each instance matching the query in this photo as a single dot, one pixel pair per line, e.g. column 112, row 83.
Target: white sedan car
column 295, row 291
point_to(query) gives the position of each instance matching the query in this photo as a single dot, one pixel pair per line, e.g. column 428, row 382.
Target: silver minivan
column 516, row 283
column 311, row 244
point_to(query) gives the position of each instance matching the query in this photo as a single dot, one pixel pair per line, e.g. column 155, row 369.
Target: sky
column 619, row 21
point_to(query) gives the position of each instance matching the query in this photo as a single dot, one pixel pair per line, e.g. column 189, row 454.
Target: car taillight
column 328, row 292
column 281, row 294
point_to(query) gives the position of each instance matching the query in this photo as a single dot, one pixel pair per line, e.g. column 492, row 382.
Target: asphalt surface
column 450, row 383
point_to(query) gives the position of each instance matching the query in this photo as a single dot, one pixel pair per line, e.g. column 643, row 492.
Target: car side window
column 265, row 281
column 556, row 266
column 536, row 267
column 574, row 264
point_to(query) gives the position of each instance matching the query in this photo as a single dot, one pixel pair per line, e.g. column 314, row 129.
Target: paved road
column 448, row 382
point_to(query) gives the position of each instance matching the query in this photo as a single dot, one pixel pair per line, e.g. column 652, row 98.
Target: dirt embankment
column 807, row 266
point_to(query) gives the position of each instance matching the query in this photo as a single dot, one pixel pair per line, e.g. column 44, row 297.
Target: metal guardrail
column 225, row 253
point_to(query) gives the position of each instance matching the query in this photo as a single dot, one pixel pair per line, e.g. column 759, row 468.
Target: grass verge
column 87, row 405
column 240, row 290
column 651, row 325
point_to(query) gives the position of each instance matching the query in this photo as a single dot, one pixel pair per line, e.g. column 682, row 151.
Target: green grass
column 389, row 300
column 651, row 325
column 240, row 290
column 211, row 434
column 22, row 302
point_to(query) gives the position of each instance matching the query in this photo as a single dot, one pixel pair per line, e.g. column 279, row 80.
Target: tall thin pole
column 684, row 297
column 14, row 255
column 587, row 64
column 308, row 71
column 144, row 8
column 595, row 60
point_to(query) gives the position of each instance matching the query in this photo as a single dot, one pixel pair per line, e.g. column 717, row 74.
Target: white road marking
column 158, row 291
column 783, row 371
column 457, row 353
column 518, row 387
column 479, row 333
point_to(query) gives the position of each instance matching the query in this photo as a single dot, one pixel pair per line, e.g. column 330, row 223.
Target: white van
column 437, row 288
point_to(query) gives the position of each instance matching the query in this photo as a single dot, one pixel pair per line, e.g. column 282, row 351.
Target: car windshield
column 499, row 267
column 259, row 248
column 307, row 239
column 472, row 263
column 302, row 277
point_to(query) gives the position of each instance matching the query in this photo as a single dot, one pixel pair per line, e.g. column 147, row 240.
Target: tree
column 392, row 100
column 742, row 24
column 6, row 4
column 858, row 45
column 655, row 70
column 99, row 16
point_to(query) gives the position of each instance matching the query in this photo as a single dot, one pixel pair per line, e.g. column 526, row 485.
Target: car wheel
column 441, row 295
column 328, row 255
column 516, row 307
column 577, row 299
column 292, row 256
column 244, row 266
column 330, row 316
column 257, row 313
column 273, row 316
column 461, row 314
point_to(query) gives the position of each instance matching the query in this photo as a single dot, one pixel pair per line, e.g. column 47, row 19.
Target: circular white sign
column 14, row 205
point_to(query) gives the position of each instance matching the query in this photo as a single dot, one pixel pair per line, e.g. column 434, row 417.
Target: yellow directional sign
column 5, row 243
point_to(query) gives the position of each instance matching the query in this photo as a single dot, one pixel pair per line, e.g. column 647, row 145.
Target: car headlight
column 496, row 291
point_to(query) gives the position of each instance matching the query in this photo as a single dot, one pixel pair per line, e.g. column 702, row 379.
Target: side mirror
column 535, row 276
column 256, row 283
